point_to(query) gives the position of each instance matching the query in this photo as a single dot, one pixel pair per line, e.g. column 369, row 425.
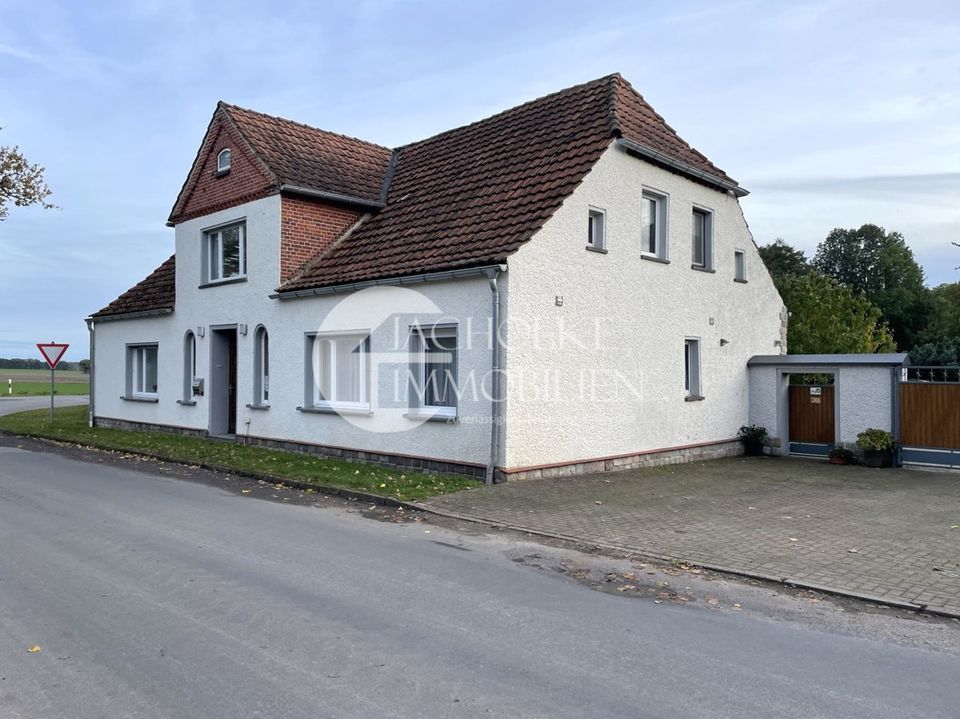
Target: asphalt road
column 157, row 597
column 9, row 405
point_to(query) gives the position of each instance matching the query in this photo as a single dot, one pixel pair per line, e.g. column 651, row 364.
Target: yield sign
column 52, row 352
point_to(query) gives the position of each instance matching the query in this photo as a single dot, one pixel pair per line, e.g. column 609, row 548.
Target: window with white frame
column 189, row 365
column 653, row 240
column 596, row 229
column 223, row 160
column 739, row 265
column 225, row 253
column 691, row 368
column 142, row 371
column 434, row 371
column 702, row 239
column 338, row 377
column 261, row 367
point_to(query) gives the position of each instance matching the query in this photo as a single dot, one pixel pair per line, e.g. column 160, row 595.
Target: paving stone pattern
column 783, row 518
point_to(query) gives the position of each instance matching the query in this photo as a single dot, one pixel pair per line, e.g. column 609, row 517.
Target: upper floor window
column 739, row 266
column 653, row 240
column 223, row 160
column 225, row 253
column 596, row 230
column 702, row 239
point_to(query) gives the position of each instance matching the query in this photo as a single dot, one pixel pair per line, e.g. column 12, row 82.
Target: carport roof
column 883, row 358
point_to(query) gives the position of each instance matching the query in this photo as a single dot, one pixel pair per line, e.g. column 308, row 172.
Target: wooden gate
column 930, row 418
column 812, row 421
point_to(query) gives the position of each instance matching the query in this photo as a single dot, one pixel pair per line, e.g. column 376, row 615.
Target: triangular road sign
column 52, row 352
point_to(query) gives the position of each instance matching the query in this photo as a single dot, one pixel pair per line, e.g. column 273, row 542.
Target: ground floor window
column 434, row 370
column 189, row 365
column 691, row 369
column 142, row 371
column 261, row 367
column 338, row 372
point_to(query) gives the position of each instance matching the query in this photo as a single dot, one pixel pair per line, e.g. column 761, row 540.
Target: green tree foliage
column 21, row 183
column 84, row 366
column 939, row 342
column 826, row 317
column 781, row 259
column 879, row 265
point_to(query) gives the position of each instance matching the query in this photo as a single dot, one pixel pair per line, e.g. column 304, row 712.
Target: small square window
column 597, row 230
column 691, row 368
column 338, row 372
column 653, row 238
column 740, row 266
column 702, row 239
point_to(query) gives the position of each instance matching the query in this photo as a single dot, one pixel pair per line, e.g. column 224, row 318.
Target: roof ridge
column 230, row 106
column 516, row 108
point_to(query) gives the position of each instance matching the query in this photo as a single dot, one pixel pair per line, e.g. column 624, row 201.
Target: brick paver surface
column 784, row 518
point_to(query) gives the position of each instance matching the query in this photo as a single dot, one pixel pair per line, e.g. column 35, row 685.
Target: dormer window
column 223, row 161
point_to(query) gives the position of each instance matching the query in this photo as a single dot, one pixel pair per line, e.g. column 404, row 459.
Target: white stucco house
column 331, row 295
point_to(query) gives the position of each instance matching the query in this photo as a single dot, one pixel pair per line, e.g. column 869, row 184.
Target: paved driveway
column 890, row 534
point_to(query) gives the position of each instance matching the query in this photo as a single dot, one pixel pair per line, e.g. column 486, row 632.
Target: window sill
column 654, row 258
column 217, row 283
column 135, row 398
column 336, row 409
column 187, row 402
column 421, row 416
column 258, row 406
column 601, row 250
column 694, row 398
column 701, row 268
column 221, row 173
column 742, row 282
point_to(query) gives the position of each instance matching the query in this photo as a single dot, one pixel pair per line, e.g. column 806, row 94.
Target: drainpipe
column 93, row 345
column 495, row 360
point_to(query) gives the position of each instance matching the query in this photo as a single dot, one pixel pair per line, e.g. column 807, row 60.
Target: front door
column 223, row 381
column 812, row 419
column 232, row 383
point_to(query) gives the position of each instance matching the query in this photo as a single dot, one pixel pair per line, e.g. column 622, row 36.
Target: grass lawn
column 26, row 389
column 70, row 425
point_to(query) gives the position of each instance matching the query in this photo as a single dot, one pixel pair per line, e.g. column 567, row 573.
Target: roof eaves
column 648, row 153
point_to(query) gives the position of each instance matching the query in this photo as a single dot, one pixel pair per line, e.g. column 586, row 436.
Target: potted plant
column 877, row 446
column 753, row 437
column 840, row 455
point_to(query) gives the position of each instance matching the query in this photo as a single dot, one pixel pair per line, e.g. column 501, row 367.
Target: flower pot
column 878, row 457
column 838, row 460
column 752, row 448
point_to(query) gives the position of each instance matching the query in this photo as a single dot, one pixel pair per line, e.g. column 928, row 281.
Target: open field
column 70, row 425
column 27, row 382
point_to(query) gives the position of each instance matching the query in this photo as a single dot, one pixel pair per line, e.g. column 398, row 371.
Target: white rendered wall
column 466, row 302
column 644, row 310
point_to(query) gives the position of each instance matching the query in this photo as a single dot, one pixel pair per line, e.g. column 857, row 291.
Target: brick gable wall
column 246, row 181
column 307, row 227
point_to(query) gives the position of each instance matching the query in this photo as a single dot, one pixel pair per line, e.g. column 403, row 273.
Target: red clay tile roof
column 473, row 195
column 156, row 292
column 464, row 198
column 301, row 155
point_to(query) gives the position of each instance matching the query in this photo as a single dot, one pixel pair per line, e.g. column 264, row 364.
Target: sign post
column 52, row 352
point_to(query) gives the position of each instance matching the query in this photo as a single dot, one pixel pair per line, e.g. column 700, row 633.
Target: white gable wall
column 643, row 310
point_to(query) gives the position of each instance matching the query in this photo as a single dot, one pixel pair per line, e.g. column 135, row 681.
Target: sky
column 832, row 113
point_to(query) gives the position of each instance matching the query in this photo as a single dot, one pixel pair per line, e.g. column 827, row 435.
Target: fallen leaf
column 794, row 539
column 245, row 491
column 598, row 502
column 853, row 551
column 35, row 649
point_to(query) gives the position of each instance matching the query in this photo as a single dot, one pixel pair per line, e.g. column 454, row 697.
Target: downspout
column 93, row 345
column 495, row 361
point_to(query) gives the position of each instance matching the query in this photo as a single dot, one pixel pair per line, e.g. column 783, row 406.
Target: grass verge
column 32, row 389
column 70, row 425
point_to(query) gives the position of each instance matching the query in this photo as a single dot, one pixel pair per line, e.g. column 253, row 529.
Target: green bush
column 875, row 440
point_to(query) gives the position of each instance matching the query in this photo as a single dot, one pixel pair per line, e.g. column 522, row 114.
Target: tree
column 879, row 265
column 21, row 183
column 84, row 366
column 826, row 317
column 781, row 259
